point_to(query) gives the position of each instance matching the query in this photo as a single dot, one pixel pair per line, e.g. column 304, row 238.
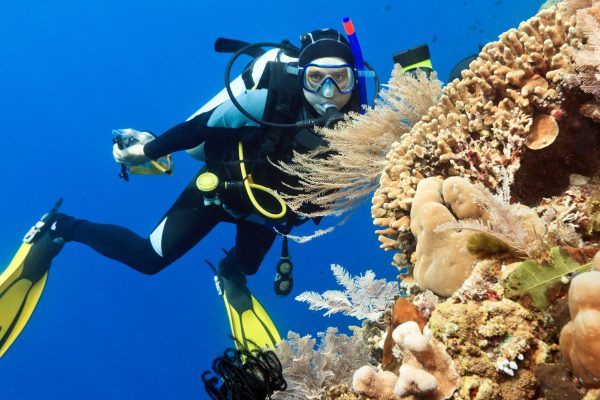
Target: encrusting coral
column 495, row 345
column 515, row 112
column 426, row 372
column 580, row 338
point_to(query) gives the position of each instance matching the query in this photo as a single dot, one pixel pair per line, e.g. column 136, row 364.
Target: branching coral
column 516, row 111
column 426, row 372
column 403, row 311
column 338, row 177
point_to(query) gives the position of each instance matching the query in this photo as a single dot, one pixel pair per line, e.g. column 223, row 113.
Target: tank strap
column 282, row 103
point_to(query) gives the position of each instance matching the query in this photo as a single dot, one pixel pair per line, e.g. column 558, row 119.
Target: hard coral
column 374, row 384
column 442, row 259
column 426, row 372
column 580, row 338
column 495, row 345
column 402, row 311
column 444, row 217
column 542, row 133
column 520, row 91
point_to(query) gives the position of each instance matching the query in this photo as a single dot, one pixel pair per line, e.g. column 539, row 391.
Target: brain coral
column 514, row 115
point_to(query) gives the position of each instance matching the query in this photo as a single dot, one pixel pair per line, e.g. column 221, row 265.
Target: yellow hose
column 251, row 185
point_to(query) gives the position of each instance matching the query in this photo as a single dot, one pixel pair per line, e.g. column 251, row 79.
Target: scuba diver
column 278, row 100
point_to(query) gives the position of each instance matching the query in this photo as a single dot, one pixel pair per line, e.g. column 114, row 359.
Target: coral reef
column 426, row 371
column 522, row 123
column 402, row 311
column 515, row 112
column 495, row 344
column 363, row 297
column 580, row 338
column 310, row 373
column 338, row 181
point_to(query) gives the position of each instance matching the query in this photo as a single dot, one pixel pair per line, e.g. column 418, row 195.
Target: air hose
column 209, row 184
column 249, row 186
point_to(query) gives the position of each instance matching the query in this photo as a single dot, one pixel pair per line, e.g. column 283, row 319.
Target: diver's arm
column 221, row 122
column 183, row 136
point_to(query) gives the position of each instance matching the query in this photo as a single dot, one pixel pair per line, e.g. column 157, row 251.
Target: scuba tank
column 247, row 80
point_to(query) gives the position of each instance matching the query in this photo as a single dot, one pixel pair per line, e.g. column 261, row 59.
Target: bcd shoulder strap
column 283, row 101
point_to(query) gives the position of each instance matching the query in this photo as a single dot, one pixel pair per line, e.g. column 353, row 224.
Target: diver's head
column 327, row 63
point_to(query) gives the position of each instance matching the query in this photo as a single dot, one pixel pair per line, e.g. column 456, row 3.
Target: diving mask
column 317, row 77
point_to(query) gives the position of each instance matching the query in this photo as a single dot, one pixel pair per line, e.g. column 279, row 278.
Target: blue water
column 70, row 71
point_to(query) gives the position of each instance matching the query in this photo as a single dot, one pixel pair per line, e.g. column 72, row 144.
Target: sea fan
column 309, row 372
column 336, row 178
column 507, row 223
column 364, row 297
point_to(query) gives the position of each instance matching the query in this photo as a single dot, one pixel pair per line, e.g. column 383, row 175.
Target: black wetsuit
column 189, row 219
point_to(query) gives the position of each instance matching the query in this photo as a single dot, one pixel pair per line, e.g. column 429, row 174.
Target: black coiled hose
column 244, row 374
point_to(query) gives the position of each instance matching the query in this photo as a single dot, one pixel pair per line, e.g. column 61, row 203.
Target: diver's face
column 327, row 84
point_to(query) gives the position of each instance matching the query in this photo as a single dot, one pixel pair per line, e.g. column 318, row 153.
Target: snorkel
column 358, row 60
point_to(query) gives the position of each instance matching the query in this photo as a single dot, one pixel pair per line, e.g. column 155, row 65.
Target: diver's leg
column 250, row 323
column 252, row 242
column 182, row 227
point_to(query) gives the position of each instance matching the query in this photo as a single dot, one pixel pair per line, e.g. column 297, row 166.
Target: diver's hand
column 132, row 155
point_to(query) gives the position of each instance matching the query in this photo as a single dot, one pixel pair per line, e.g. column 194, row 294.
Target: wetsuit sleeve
column 223, row 122
column 183, row 136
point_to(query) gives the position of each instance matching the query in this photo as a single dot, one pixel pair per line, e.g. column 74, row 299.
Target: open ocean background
column 70, row 72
